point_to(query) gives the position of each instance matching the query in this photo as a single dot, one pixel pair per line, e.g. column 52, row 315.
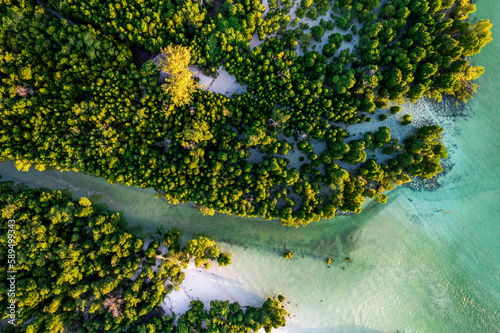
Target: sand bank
column 203, row 285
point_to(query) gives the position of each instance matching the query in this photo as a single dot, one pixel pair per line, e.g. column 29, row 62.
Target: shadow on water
column 95, row 199
column 141, row 213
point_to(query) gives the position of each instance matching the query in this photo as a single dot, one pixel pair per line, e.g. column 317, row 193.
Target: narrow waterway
column 144, row 214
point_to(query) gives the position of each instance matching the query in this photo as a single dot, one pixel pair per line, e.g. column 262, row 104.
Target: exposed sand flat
column 205, row 81
column 206, row 285
column 224, row 83
column 198, row 284
column 255, row 41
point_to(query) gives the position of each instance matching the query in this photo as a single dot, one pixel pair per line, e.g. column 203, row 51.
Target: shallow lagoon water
column 427, row 261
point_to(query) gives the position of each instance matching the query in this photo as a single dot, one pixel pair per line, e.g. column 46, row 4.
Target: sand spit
column 203, row 285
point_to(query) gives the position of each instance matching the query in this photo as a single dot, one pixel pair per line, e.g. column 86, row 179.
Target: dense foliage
column 221, row 317
column 154, row 24
column 73, row 98
column 79, row 271
column 77, row 267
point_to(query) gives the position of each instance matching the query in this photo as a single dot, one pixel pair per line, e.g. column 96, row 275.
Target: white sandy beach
column 203, row 285
column 220, row 283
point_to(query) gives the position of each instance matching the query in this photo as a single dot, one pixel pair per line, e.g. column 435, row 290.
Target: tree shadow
column 140, row 54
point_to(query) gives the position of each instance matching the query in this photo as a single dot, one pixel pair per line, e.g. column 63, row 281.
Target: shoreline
column 203, row 285
column 443, row 113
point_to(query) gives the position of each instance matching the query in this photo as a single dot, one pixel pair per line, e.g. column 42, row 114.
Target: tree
column 482, row 30
column 203, row 249
column 205, row 211
column 423, row 153
column 318, row 32
column 179, row 83
column 381, row 198
column 194, row 13
column 224, row 259
column 195, row 132
column 406, row 119
column 395, row 109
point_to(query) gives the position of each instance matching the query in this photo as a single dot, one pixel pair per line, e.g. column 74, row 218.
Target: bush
column 406, row 120
column 312, row 156
column 395, row 109
column 318, row 32
column 381, row 198
column 380, row 103
column 382, row 117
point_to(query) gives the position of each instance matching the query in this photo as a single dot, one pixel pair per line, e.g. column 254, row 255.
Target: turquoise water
column 424, row 262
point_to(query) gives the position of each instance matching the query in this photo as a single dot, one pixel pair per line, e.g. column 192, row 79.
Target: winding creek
column 144, row 213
